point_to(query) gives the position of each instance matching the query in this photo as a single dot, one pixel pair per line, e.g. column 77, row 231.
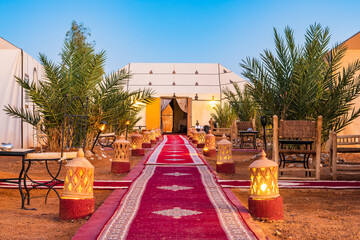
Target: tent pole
column 22, row 99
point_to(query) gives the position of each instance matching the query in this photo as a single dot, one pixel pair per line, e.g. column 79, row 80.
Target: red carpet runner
column 175, row 197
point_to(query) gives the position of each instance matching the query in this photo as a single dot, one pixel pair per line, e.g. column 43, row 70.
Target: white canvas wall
column 13, row 63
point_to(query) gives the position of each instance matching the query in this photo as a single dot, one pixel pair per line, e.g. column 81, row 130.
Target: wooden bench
column 348, row 144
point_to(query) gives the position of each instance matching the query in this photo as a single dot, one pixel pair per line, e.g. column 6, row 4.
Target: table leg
column 27, row 195
column 19, row 182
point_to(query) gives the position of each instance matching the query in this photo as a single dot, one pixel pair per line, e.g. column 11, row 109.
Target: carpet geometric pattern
column 180, row 200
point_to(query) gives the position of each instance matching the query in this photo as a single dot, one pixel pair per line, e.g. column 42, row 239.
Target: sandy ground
column 309, row 214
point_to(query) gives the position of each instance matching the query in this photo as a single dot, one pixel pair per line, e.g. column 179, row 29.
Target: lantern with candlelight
column 146, row 139
column 201, row 139
column 101, row 127
column 191, row 134
column 224, row 161
column 153, row 136
column 157, row 135
column 265, row 201
column 210, row 147
column 195, row 137
column 136, row 145
column 77, row 200
column 121, row 163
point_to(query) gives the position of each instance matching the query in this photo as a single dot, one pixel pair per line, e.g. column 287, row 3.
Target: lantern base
column 200, row 145
column 270, row 209
column 190, row 138
column 157, row 138
column 228, row 168
column 195, row 141
column 146, row 145
column 137, row 152
column 153, row 141
column 209, row 153
column 120, row 167
column 76, row 208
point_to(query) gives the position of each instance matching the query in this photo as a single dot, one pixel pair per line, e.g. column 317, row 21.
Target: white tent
column 15, row 62
column 200, row 85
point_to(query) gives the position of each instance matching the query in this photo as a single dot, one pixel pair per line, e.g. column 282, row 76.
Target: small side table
column 20, row 153
column 248, row 134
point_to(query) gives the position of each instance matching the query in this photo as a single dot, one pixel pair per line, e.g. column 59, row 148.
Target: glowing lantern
column 212, row 102
column 201, row 139
column 195, row 137
column 77, row 200
column 136, row 145
column 224, row 161
column 265, row 201
column 146, row 140
column 157, row 134
column 210, row 147
column 191, row 134
column 121, row 162
column 153, row 136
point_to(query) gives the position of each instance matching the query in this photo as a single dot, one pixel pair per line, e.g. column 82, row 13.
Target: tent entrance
column 174, row 115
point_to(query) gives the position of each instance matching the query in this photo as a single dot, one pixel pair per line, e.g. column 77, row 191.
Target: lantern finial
column 80, row 153
column 223, row 136
column 263, row 155
column 122, row 137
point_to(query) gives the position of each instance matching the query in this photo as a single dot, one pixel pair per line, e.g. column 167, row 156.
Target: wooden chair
column 300, row 137
column 343, row 144
column 230, row 133
column 73, row 138
column 242, row 126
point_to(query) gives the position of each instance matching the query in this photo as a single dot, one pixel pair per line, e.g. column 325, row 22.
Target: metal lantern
column 210, row 147
column 210, row 141
column 121, row 163
column 136, row 145
column 192, row 133
column 195, row 137
column 264, row 178
column 153, row 136
column 224, row 148
column 265, row 201
column 201, row 139
column 79, row 178
column 147, row 137
column 159, row 133
column 136, row 141
column 122, row 150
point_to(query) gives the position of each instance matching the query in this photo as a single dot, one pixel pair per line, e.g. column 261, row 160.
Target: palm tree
column 80, row 73
column 224, row 116
column 241, row 102
column 303, row 82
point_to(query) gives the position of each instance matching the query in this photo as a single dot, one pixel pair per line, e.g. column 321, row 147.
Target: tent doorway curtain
column 174, row 115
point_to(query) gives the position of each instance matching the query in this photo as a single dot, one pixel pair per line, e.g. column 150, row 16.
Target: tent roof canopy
column 4, row 44
column 183, row 79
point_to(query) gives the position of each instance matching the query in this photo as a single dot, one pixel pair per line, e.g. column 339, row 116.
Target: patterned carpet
column 176, row 196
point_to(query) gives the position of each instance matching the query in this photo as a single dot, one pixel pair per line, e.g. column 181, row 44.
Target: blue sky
column 172, row 31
